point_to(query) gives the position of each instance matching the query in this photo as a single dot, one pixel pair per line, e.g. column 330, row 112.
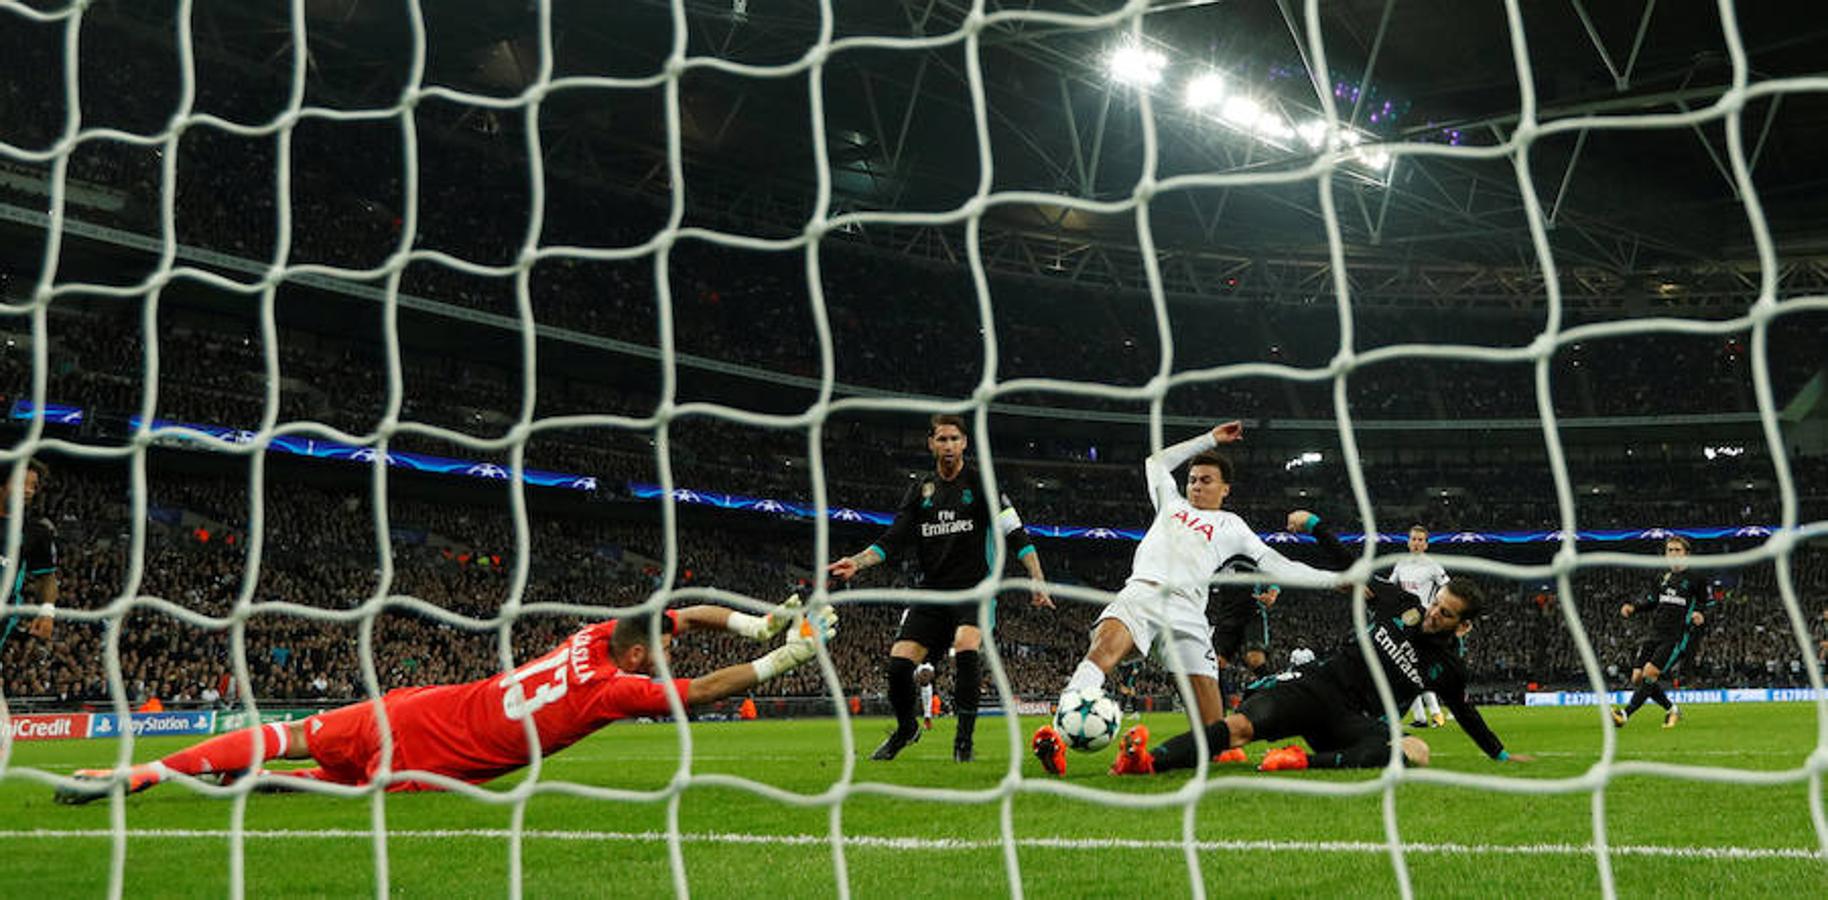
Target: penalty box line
column 939, row 844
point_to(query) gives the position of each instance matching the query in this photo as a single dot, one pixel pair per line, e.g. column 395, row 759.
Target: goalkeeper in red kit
column 476, row 732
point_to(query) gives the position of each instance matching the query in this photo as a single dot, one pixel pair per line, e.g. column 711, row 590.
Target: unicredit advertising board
column 55, row 727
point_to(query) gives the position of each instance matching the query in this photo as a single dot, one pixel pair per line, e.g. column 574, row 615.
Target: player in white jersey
column 1422, row 576
column 923, row 679
column 1161, row 610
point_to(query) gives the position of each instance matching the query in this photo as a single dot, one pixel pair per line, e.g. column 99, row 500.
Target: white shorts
column 1158, row 620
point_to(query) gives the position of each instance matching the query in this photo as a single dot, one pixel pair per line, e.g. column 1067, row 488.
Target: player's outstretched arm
column 1303, row 521
column 1474, row 725
column 1159, row 467
column 800, row 648
column 763, row 627
column 898, row 535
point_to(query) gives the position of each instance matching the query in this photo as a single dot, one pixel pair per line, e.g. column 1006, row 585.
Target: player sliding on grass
column 1190, row 539
column 1333, row 702
column 476, row 732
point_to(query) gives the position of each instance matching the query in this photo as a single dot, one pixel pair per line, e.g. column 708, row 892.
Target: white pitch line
column 942, row 844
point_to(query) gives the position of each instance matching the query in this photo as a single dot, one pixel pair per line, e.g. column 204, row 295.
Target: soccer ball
column 1087, row 719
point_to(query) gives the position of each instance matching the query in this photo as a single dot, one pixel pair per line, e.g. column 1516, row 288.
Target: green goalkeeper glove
column 764, row 628
column 801, row 645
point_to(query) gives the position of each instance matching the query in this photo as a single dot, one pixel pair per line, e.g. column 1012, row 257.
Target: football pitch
column 1669, row 837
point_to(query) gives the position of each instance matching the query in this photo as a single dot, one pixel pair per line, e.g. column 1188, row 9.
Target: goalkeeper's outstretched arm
column 799, row 648
column 720, row 618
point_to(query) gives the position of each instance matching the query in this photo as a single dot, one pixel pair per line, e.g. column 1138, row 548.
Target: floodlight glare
column 1241, row 111
column 1135, row 65
column 1271, row 124
column 1313, row 133
column 1376, row 159
column 1204, row 91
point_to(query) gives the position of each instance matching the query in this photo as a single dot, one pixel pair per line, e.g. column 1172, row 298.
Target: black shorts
column 1664, row 653
column 935, row 627
column 1299, row 704
column 1240, row 630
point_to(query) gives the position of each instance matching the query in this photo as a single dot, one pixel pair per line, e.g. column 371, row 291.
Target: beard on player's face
column 1445, row 615
column 639, row 658
column 947, row 445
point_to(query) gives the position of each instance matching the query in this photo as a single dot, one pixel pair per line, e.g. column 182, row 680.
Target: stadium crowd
column 319, row 552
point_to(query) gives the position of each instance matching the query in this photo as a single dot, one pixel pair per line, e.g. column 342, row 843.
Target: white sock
column 1087, row 675
column 1434, row 703
column 1415, row 710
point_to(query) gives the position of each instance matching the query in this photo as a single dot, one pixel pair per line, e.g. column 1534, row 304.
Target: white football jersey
column 1420, row 576
column 1184, row 546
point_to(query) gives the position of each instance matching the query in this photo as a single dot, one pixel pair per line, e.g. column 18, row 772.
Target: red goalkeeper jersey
column 475, row 732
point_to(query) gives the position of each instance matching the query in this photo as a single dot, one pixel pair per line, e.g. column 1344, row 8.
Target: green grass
column 956, row 851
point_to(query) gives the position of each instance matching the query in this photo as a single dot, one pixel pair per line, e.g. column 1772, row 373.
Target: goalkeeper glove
column 764, row 628
column 801, row 646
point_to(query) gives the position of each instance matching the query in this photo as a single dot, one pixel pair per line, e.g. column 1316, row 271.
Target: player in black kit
column 945, row 520
column 1333, row 703
column 35, row 572
column 1240, row 632
column 1682, row 602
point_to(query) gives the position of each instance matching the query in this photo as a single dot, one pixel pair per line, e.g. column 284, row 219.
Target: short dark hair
column 1679, row 539
column 1217, row 461
column 631, row 630
column 1472, row 597
column 940, row 419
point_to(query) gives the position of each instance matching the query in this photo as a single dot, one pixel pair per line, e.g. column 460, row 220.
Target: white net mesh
column 659, row 248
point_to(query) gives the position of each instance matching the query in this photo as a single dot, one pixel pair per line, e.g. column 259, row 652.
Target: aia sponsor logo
column 1187, row 518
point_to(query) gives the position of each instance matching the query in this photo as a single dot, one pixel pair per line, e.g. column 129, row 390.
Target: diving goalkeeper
column 475, row 732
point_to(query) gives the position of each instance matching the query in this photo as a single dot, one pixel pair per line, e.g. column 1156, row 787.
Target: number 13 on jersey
column 514, row 700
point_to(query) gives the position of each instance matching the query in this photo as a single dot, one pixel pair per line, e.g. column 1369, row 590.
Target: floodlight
column 1313, row 133
column 1135, row 65
column 1241, row 111
column 1204, row 91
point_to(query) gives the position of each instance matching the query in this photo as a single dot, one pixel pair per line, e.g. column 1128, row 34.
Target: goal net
column 712, row 259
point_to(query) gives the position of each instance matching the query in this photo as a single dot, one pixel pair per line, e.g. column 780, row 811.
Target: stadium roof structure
column 1640, row 220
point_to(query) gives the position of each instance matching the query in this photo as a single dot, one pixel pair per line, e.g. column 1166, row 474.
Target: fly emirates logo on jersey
column 949, row 523
column 1400, row 653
